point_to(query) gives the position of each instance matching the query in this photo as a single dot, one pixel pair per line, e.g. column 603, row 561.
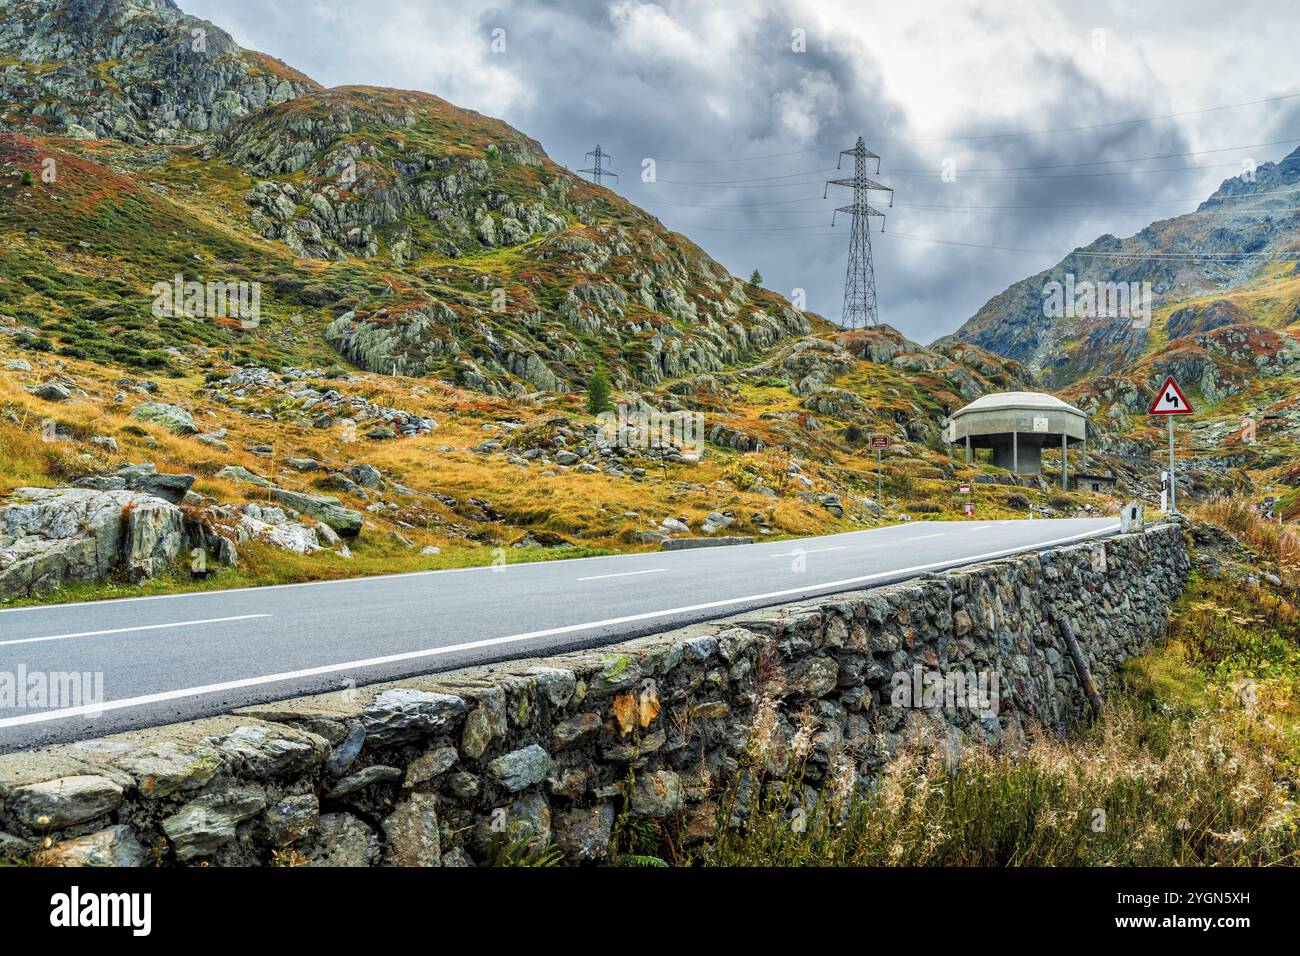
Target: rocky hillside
column 140, row 71
column 1243, row 218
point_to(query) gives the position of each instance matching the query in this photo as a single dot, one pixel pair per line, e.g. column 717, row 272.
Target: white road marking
column 181, row 693
column 796, row 553
column 924, row 537
column 132, row 630
column 623, row 574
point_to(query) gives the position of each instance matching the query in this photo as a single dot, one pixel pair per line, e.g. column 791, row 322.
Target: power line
column 934, row 173
column 1254, row 210
column 742, row 205
column 765, row 183
column 1124, row 202
column 732, row 182
column 1169, row 256
column 913, row 205
column 1111, row 162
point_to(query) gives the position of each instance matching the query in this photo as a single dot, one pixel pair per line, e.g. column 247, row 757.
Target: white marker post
column 1171, row 401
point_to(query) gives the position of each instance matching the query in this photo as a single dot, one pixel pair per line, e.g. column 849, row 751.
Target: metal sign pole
column 1173, row 481
column 880, row 479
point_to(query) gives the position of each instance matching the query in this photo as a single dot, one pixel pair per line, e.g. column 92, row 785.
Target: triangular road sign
column 1171, row 400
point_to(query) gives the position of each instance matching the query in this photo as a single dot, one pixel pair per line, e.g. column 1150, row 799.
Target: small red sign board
column 964, row 489
column 970, row 509
column 1171, row 400
column 879, row 441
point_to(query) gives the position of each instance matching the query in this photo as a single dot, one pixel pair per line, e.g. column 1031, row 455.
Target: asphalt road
column 181, row 657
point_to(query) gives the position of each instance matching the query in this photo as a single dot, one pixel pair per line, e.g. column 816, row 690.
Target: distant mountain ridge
column 1256, row 215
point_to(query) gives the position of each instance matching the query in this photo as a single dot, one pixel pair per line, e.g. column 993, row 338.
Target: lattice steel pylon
column 598, row 170
column 860, row 284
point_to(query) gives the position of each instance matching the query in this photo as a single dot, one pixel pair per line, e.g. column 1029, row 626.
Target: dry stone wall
column 439, row 770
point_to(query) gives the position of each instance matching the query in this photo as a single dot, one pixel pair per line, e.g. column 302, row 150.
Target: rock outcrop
column 50, row 537
column 140, row 71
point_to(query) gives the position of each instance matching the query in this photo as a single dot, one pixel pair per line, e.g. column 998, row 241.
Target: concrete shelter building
column 1017, row 426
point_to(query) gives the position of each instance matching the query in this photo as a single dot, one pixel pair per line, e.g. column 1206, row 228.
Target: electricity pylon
column 598, row 169
column 860, row 284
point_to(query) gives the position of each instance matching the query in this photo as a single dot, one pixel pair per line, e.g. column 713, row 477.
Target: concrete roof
column 999, row 401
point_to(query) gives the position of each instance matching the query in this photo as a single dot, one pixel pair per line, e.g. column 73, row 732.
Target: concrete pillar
column 1083, row 462
column 1015, row 453
column 968, row 450
column 1065, row 462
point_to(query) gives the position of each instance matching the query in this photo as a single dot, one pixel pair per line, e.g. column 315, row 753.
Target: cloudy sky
column 1028, row 103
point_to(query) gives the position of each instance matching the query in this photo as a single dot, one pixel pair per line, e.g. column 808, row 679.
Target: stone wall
column 432, row 770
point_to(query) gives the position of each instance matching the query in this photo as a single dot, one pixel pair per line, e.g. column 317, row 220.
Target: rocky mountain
column 140, row 71
column 1257, row 216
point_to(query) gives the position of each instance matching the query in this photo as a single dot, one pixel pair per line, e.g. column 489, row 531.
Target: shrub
column 598, row 393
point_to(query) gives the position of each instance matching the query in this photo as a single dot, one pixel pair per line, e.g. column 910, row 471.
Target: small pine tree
column 598, row 393
column 756, row 280
column 26, row 178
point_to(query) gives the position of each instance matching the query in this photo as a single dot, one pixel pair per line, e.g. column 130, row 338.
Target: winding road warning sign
column 1171, row 400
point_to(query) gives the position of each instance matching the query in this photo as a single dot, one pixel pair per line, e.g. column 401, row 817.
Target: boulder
column 244, row 476
column 583, row 833
column 273, row 751
column 367, row 476
column 323, row 508
column 368, row 776
column 412, row 832
column 402, row 714
column 51, row 537
column 146, row 478
column 342, row 841
column 290, row 820
column 51, row 392
column 172, row 417
column 656, row 794
column 167, row 768
column 521, row 768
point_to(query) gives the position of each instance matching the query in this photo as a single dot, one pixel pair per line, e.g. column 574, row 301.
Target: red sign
column 964, row 489
column 1171, row 400
column 970, row 509
column 879, row 441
